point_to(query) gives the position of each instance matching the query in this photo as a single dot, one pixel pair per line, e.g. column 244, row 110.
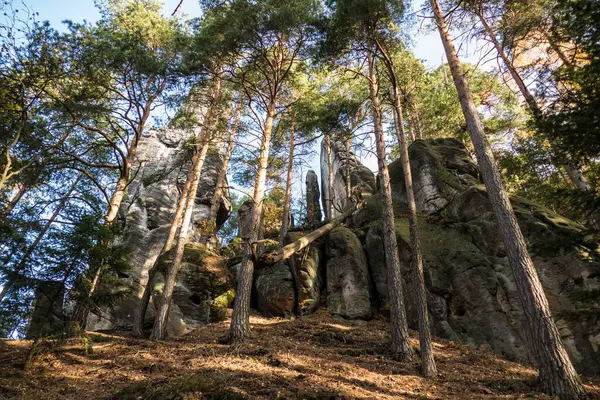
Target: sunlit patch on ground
column 312, row 357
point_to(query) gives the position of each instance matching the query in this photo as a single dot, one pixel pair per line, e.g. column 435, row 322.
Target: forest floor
column 312, row 357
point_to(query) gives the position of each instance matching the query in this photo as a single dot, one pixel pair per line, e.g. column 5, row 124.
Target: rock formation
column 313, row 207
column 162, row 161
column 472, row 295
column 274, row 288
column 348, row 282
column 344, row 163
column 47, row 317
column 306, row 269
column 471, row 292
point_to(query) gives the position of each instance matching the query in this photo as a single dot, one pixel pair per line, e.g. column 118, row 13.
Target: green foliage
column 440, row 113
column 572, row 117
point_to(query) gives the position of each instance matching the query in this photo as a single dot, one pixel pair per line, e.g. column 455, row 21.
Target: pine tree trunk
column 288, row 188
column 13, row 202
column 417, row 118
column 81, row 311
column 401, row 346
column 239, row 329
column 575, row 175
column 214, row 207
column 329, row 192
column 348, row 174
column 428, row 367
column 557, row 375
column 428, row 363
column 159, row 329
column 140, row 313
column 411, row 124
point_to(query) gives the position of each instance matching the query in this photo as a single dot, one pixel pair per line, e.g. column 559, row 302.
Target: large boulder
column 472, row 295
column 441, row 169
column 47, row 316
column 348, row 282
column 202, row 282
column 274, row 290
column 162, row 161
column 344, row 163
column 437, row 281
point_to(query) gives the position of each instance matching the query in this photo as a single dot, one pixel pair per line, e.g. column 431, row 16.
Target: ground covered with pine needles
column 312, row 357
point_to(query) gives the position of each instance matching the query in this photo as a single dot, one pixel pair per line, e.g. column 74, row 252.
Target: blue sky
column 427, row 45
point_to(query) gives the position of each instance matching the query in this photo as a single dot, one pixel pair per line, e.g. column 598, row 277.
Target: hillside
column 312, row 357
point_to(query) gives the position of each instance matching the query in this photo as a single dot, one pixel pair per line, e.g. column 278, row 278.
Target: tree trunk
column 557, row 375
column 418, row 130
column 159, row 329
column 348, row 174
column 412, row 124
column 287, row 251
column 329, row 192
column 288, row 188
column 140, row 314
column 13, row 201
column 117, row 197
column 214, row 207
column 401, row 347
column 239, row 329
column 428, row 363
column 573, row 172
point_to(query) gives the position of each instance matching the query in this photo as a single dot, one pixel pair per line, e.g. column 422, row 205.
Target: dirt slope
column 313, row 357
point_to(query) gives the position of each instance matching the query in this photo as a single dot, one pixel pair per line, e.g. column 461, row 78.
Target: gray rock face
column 348, row 283
column 163, row 159
column 274, row 288
column 441, row 169
column 313, row 205
column 203, row 277
column 472, row 296
column 309, row 274
column 47, row 317
column 362, row 178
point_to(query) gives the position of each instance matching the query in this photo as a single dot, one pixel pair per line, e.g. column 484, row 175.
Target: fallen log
column 287, row 251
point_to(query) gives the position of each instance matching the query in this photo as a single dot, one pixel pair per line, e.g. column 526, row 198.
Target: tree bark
column 13, row 201
column 575, row 175
column 401, row 346
column 556, row 373
column 329, row 193
column 214, row 207
column 347, row 141
column 288, row 187
column 412, row 124
column 428, row 363
column 140, row 313
column 287, row 251
column 417, row 118
column 159, row 329
column 239, row 329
